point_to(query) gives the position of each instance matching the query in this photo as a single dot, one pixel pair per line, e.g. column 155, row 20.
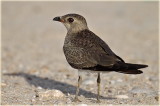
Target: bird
column 85, row 51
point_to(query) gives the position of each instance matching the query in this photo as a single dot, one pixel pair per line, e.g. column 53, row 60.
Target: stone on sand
column 51, row 94
column 122, row 96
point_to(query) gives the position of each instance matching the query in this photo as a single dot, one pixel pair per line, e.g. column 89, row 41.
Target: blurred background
column 32, row 42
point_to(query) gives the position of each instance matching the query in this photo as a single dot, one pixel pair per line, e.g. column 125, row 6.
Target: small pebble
column 133, row 76
column 68, row 94
column 112, row 82
column 3, row 84
column 122, row 96
column 50, row 94
column 21, row 66
column 4, row 71
column 121, row 102
column 45, row 68
column 32, row 71
column 39, row 87
column 82, row 105
column 137, row 90
column 68, row 75
column 109, row 91
column 119, row 80
column 88, row 81
column 33, row 100
column 69, row 100
column 157, row 98
column 152, row 94
column 153, row 79
column 34, row 96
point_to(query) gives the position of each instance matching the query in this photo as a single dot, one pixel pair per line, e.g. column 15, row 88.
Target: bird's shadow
column 46, row 83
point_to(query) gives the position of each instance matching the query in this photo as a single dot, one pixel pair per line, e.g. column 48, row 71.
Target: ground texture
column 35, row 71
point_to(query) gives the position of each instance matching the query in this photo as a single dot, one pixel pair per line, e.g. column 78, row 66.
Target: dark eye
column 70, row 20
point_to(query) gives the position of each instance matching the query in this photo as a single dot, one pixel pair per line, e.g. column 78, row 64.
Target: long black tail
column 129, row 68
column 136, row 66
column 121, row 67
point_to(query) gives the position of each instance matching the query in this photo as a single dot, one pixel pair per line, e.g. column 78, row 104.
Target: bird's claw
column 76, row 100
column 98, row 101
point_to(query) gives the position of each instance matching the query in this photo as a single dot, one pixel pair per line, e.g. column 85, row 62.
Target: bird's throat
column 76, row 29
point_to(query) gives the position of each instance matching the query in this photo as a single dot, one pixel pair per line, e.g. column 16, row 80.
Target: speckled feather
column 82, row 50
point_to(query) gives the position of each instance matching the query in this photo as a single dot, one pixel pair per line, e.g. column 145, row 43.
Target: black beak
column 57, row 19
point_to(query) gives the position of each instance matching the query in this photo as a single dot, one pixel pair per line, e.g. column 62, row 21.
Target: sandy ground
column 33, row 61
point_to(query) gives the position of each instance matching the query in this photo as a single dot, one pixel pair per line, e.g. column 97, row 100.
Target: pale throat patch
column 76, row 26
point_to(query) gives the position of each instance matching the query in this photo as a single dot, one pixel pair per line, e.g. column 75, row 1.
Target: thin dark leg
column 98, row 85
column 77, row 91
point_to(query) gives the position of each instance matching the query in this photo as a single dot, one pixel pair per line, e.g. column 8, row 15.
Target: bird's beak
column 58, row 19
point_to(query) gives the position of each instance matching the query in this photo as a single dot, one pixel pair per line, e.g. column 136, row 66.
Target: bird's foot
column 76, row 100
column 98, row 101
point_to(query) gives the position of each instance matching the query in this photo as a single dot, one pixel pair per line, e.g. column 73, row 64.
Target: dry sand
column 34, row 66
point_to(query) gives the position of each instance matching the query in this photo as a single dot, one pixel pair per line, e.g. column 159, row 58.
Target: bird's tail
column 130, row 71
column 136, row 66
column 129, row 68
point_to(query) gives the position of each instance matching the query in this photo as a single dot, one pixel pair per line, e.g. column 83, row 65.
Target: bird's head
column 73, row 22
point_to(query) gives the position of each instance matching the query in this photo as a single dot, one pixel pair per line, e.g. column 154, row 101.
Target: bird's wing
column 106, row 48
column 79, row 57
column 89, row 51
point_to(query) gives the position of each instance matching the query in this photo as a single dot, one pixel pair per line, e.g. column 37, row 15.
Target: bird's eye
column 70, row 20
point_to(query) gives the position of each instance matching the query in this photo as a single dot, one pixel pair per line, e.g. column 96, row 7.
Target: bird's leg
column 98, row 85
column 77, row 91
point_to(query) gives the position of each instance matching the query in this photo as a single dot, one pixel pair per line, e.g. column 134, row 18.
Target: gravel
column 50, row 94
column 88, row 81
column 34, row 63
column 137, row 90
column 122, row 96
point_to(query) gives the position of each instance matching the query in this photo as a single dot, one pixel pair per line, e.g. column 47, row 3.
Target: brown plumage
column 86, row 51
